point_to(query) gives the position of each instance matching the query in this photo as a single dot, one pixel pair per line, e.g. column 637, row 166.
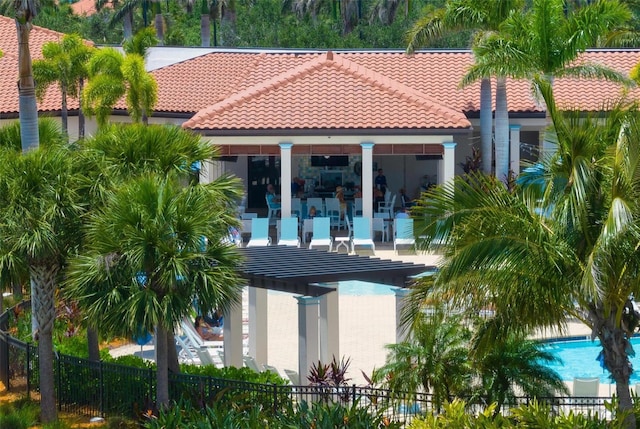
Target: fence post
column 59, row 365
column 151, row 400
column 4, row 360
column 101, row 374
column 275, row 398
column 28, row 370
column 353, row 394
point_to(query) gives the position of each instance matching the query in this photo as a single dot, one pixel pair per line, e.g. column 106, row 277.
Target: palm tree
column 433, row 359
column 63, row 62
column 154, row 248
column 575, row 257
column 459, row 15
column 25, row 12
column 553, row 36
column 41, row 222
column 112, row 76
column 512, row 366
column 121, row 152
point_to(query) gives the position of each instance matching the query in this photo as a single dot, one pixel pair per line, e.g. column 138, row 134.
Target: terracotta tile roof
column 329, row 92
column 52, row 101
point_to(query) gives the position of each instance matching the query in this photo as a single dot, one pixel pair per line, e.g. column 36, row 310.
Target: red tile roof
column 328, row 92
column 52, row 101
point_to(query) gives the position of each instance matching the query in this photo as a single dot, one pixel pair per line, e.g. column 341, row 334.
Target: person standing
column 381, row 181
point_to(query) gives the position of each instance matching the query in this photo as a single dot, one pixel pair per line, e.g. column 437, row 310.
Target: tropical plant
column 112, row 75
column 154, row 248
column 63, row 62
column 40, row 213
column 541, row 254
column 458, row 15
column 434, row 359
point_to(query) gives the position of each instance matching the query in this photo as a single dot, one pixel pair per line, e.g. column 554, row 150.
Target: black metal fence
column 105, row 389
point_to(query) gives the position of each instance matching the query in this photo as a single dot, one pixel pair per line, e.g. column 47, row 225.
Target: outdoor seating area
column 334, row 233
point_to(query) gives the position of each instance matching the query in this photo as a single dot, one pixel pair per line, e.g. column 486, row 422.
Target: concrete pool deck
column 367, row 324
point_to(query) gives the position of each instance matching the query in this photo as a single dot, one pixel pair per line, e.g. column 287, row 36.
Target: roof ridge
column 393, row 86
column 259, row 88
column 39, row 28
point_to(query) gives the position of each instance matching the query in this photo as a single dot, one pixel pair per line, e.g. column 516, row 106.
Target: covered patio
column 313, row 276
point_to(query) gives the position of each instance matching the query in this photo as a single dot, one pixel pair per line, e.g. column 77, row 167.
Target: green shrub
column 334, row 416
column 21, row 414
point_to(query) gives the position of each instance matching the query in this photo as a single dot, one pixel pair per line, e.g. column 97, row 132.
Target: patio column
column 258, row 325
column 330, row 326
column 308, row 341
column 448, row 163
column 514, row 149
column 232, row 337
column 401, row 294
column 285, row 182
column 367, row 179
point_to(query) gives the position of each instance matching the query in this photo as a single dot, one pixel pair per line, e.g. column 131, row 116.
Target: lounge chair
column 288, row 228
column 318, row 203
column 259, row 232
column 403, row 233
column 293, row 376
column 250, row 362
column 194, row 340
column 321, row 233
column 585, row 391
column 362, row 234
column 307, row 228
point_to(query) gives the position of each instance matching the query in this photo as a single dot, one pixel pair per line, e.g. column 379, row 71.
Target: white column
column 308, row 341
column 258, row 325
column 448, row 162
column 401, row 294
column 514, row 149
column 330, row 326
column 232, row 331
column 285, row 182
column 367, row 179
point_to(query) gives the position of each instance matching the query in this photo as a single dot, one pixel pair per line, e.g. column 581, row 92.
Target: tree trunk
column 547, row 143
column 127, row 23
column 81, row 124
column 486, row 126
column 44, row 279
column 502, row 131
column 205, row 30
column 162, row 363
column 27, row 91
column 64, row 114
column 159, row 23
column 172, row 353
column 92, row 343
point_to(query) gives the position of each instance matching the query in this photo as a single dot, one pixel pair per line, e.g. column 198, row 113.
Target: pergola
column 312, row 275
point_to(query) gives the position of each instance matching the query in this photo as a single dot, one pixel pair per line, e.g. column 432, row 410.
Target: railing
column 105, row 389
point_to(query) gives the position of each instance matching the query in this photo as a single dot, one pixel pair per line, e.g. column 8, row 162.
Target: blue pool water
column 579, row 360
column 357, row 287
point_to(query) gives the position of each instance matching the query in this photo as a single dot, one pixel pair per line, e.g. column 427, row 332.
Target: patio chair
column 403, row 233
column 317, row 203
column 585, row 388
column 259, row 232
column 362, row 234
column 273, row 212
column 321, row 233
column 380, row 224
column 307, row 228
column 288, row 229
column 387, row 206
column 296, row 207
column 356, row 209
column 334, row 212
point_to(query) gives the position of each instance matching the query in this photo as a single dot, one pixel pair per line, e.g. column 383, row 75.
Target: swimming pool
column 357, row 287
column 579, row 360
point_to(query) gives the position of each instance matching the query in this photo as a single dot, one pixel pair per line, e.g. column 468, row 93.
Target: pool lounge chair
column 288, row 228
column 362, row 234
column 259, row 232
column 194, row 340
column 585, row 388
column 321, row 233
column 403, row 233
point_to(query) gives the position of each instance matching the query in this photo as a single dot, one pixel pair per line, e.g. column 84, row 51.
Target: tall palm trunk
column 26, row 88
column 43, row 277
column 502, row 130
column 205, row 30
column 172, row 353
column 615, row 350
column 162, row 363
column 159, row 23
column 64, row 113
column 81, row 123
column 486, row 122
column 92, row 343
column 547, row 141
column 127, row 24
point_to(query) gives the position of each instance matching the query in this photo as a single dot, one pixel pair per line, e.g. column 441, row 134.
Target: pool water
column 357, row 287
column 579, row 360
